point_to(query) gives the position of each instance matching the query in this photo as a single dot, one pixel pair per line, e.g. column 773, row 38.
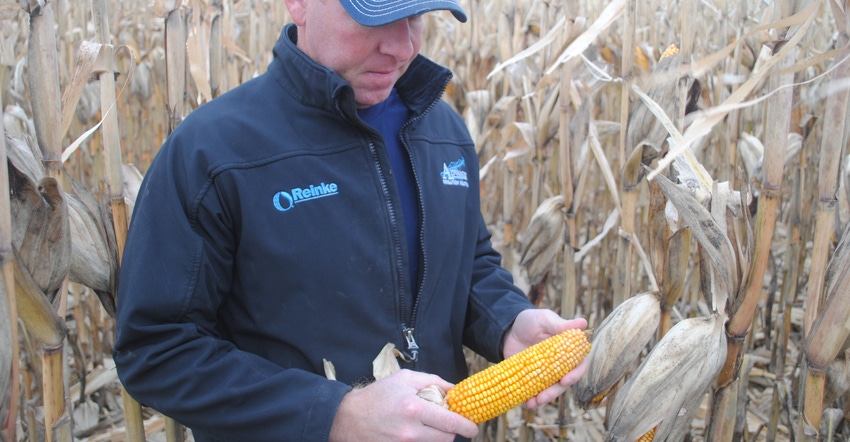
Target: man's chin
column 371, row 98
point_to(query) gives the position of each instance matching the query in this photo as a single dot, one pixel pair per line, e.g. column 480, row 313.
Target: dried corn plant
column 588, row 139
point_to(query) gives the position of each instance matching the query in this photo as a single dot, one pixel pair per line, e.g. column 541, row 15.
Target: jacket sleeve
column 494, row 300
column 169, row 352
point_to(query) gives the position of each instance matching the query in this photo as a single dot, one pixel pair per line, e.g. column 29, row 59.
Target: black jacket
column 266, row 237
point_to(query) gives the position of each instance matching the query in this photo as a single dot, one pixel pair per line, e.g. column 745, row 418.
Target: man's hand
column 390, row 410
column 532, row 326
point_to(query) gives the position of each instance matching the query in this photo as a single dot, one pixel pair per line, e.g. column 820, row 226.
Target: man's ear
column 298, row 11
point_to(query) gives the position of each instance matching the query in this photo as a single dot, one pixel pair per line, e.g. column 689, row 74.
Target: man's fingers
column 552, row 393
column 575, row 374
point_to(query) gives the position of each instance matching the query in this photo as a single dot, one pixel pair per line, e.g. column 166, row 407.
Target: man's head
column 370, row 43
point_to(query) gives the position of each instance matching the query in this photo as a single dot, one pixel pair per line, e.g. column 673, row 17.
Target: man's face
column 370, row 58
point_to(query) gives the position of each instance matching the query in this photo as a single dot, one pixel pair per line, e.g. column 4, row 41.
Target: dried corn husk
column 829, row 425
column 132, row 182
column 6, row 353
column 617, row 344
column 837, row 379
column 543, row 238
column 679, row 369
column 8, row 309
column 40, row 232
column 90, row 256
column 94, row 252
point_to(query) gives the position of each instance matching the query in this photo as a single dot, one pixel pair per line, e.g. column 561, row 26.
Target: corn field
column 671, row 170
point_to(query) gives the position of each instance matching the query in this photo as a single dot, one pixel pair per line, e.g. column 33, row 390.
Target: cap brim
column 382, row 12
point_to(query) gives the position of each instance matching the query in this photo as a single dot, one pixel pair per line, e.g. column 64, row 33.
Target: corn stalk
column 833, row 142
column 46, row 104
column 44, row 87
column 621, row 278
column 9, row 353
column 105, row 72
column 828, row 335
column 778, row 116
column 793, row 269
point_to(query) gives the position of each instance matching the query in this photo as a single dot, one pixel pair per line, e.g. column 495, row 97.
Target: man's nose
column 397, row 39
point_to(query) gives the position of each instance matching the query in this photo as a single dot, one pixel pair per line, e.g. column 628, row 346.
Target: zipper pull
column 412, row 347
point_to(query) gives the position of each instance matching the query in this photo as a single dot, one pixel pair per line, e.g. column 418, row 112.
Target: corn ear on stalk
column 617, row 344
column 665, row 391
column 506, row 385
column 648, row 436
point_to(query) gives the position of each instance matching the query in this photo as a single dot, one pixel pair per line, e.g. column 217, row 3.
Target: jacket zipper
column 412, row 347
column 412, row 353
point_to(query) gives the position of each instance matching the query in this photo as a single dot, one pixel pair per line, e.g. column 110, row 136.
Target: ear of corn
column 506, row 385
column 648, row 436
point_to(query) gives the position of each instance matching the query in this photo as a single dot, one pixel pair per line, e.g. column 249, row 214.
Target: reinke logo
column 454, row 174
column 284, row 200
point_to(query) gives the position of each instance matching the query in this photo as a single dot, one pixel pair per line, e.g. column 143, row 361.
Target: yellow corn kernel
column 669, row 52
column 641, row 59
column 508, row 384
column 647, row 437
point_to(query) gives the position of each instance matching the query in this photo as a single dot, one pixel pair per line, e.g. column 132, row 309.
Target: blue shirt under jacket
column 267, row 237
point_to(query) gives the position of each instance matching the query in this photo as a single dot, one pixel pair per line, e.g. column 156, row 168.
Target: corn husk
column 40, row 231
column 680, row 368
column 617, row 343
column 88, row 252
column 543, row 238
column 830, row 425
column 8, row 305
column 837, row 379
column 94, row 252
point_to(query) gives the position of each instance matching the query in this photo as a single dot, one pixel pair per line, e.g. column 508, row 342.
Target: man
column 318, row 212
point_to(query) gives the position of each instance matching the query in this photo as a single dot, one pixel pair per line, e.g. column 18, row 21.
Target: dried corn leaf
column 676, row 267
column 609, row 15
column 330, row 370
column 35, row 311
column 702, row 125
column 709, row 234
column 689, row 168
column 604, row 165
column 198, row 49
column 87, row 57
column 539, row 45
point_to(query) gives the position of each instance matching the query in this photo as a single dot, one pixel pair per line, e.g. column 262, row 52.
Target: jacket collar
column 314, row 85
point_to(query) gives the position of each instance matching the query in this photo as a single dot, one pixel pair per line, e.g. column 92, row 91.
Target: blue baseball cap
column 381, row 12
